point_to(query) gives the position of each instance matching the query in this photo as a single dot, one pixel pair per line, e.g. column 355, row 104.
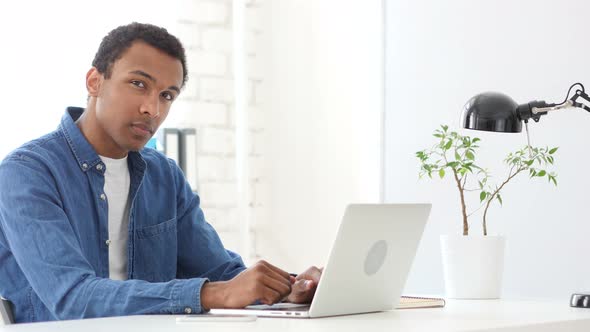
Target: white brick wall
column 208, row 63
column 224, row 219
column 252, row 42
column 254, row 17
column 257, row 138
column 210, row 114
column 207, row 104
column 217, row 40
column 204, row 12
column 196, row 114
column 216, row 168
column 218, row 194
column 255, row 67
column 190, row 91
column 190, row 32
column 257, row 168
column 217, row 89
column 218, row 141
column 256, row 118
column 260, row 198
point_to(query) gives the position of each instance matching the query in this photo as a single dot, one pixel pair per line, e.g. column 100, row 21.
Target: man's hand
column 262, row 281
column 305, row 285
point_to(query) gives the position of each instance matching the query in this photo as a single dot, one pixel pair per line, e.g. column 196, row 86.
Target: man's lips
column 143, row 129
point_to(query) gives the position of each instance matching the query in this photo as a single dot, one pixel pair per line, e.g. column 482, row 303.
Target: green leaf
column 438, row 135
column 552, row 151
column 448, row 145
column 476, row 140
column 445, row 128
column 441, row 173
column 469, row 155
column 457, row 156
column 482, row 196
column 541, row 173
column 499, row 198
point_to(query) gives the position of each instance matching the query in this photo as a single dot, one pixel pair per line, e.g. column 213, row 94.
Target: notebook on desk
column 367, row 266
column 416, row 302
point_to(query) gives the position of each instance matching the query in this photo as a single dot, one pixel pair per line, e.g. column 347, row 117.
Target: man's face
column 135, row 100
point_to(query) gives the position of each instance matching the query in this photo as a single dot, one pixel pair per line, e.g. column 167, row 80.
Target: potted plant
column 473, row 265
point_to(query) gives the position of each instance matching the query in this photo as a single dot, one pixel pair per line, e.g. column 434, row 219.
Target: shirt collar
column 84, row 153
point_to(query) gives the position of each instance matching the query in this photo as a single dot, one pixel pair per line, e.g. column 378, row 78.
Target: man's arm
column 201, row 253
column 39, row 235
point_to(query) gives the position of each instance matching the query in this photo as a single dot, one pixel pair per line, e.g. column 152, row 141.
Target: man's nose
column 150, row 106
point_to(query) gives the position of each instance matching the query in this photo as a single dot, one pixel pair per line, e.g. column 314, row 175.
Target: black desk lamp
column 492, row 111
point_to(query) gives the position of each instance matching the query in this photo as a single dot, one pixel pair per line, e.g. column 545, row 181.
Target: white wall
column 438, row 55
column 323, row 117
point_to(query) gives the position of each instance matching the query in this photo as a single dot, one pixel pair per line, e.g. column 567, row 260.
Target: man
column 92, row 224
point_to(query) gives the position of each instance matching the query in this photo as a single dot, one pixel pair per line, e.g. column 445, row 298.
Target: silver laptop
column 367, row 267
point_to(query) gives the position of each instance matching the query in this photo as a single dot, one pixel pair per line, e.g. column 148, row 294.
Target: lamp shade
column 492, row 111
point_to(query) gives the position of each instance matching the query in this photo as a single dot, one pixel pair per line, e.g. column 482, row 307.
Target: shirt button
column 99, row 167
column 85, row 166
column 103, row 197
column 188, row 310
column 107, row 242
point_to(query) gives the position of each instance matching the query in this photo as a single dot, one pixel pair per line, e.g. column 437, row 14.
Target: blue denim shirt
column 53, row 234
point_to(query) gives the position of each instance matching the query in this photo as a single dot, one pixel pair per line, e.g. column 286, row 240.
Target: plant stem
column 463, row 207
column 485, row 211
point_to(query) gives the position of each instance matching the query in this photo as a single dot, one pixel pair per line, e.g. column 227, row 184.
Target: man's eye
column 167, row 95
column 138, row 84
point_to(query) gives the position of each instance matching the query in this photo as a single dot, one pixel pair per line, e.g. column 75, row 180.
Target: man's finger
column 270, row 296
column 276, row 285
column 315, row 274
column 275, row 269
column 312, row 273
column 303, row 291
column 303, row 286
column 266, row 270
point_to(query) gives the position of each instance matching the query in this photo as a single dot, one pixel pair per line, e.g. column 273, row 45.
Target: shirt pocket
column 154, row 230
column 156, row 252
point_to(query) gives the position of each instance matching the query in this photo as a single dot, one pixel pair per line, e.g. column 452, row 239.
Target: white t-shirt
column 116, row 188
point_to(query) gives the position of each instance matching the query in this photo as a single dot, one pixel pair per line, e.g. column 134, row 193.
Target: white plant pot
column 473, row 266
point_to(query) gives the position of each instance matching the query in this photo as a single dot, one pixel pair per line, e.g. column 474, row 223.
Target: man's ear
column 93, row 82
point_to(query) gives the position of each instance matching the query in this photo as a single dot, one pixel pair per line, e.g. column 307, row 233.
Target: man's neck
column 102, row 143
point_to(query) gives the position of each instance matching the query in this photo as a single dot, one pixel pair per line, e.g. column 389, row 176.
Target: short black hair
column 120, row 39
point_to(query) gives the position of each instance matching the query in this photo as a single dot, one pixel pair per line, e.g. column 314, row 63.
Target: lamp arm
column 538, row 108
column 580, row 94
column 552, row 107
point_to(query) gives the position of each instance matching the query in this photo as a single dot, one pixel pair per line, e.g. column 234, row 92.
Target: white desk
column 493, row 315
